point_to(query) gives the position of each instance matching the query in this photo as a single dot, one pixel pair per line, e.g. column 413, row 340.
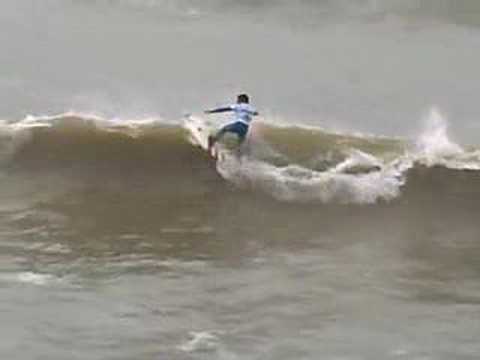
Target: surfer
column 243, row 113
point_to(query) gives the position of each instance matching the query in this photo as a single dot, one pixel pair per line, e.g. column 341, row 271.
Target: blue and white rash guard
column 243, row 113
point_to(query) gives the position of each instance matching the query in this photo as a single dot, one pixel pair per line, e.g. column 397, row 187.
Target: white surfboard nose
column 199, row 131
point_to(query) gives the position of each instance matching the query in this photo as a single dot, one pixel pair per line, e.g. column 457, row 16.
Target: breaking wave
column 288, row 163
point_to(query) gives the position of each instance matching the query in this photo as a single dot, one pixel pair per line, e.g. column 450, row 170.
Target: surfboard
column 198, row 131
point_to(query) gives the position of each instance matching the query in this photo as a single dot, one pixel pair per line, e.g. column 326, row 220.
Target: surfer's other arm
column 219, row 110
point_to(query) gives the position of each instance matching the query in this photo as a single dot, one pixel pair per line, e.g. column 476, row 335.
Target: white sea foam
column 35, row 278
column 201, row 341
column 297, row 183
column 358, row 161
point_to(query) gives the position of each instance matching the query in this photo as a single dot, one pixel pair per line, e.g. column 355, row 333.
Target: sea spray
column 434, row 147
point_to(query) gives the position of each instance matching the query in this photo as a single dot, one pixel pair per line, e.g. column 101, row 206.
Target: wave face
column 287, row 163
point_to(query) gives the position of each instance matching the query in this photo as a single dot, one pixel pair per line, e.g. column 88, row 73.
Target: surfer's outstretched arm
column 219, row 110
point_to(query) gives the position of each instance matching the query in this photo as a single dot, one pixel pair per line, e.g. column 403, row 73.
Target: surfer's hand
column 207, row 112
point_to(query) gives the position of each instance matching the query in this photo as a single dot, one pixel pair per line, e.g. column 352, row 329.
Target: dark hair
column 243, row 98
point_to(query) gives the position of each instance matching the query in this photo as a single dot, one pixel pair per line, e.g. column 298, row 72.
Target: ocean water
column 346, row 228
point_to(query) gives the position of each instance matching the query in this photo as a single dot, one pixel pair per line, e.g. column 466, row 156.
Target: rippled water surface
column 345, row 228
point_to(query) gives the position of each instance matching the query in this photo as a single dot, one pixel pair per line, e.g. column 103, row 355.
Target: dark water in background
column 120, row 240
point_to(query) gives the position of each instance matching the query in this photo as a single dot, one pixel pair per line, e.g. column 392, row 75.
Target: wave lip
column 72, row 117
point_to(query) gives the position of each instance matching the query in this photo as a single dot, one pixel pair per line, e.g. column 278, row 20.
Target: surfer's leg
column 238, row 128
column 212, row 139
